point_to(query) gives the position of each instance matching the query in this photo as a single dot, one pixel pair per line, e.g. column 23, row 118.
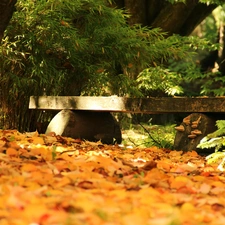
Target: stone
column 86, row 125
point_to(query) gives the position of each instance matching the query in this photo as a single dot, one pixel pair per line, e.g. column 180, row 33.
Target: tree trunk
column 137, row 9
column 180, row 18
column 118, row 4
column 198, row 14
column 153, row 9
column 173, row 16
column 193, row 128
column 6, row 12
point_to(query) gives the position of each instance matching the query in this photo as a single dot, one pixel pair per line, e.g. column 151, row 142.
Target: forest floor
column 51, row 180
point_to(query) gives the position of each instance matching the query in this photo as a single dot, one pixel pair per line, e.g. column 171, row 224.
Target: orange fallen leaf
column 12, row 152
column 54, row 179
column 62, row 182
column 28, row 167
column 179, row 182
column 37, row 140
column 164, row 165
column 204, row 188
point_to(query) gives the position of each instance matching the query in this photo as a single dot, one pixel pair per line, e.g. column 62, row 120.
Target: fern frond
column 215, row 140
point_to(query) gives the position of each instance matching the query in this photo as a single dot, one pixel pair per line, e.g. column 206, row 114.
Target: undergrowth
column 215, row 140
column 147, row 135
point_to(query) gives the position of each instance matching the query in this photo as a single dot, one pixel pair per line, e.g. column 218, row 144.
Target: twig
column 154, row 141
column 132, row 142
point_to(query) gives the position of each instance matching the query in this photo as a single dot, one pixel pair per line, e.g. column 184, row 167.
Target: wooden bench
column 201, row 109
column 150, row 105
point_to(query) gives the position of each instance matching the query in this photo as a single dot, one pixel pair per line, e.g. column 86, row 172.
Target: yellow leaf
column 34, row 212
column 187, row 207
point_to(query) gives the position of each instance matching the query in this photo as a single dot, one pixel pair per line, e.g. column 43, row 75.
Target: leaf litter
column 50, row 179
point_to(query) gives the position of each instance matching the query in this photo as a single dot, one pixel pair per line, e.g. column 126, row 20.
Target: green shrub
column 83, row 47
column 215, row 140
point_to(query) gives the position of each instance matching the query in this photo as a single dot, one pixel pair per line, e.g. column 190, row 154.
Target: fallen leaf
column 56, row 180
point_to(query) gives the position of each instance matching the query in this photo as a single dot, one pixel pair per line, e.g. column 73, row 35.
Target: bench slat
column 123, row 104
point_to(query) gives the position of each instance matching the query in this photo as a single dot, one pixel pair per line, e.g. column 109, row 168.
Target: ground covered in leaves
column 57, row 180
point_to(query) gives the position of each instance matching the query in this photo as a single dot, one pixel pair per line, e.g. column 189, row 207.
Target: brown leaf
column 85, row 185
column 149, row 165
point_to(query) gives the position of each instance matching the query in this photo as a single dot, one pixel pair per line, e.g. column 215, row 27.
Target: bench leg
column 87, row 125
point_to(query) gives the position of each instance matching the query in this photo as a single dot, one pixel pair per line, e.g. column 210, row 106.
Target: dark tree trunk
column 153, row 9
column 182, row 18
column 173, row 16
column 179, row 18
column 138, row 12
column 118, row 4
column 198, row 14
column 6, row 12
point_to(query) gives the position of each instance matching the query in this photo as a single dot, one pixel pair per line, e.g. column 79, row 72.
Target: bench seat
column 151, row 105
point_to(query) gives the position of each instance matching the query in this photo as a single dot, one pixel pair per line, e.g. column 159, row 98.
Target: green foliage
column 196, row 82
column 215, row 140
column 219, row 15
column 160, row 80
column 206, row 81
column 148, row 135
column 218, row 2
column 213, row 80
column 162, row 137
column 216, row 157
column 213, row 84
column 176, row 1
column 181, row 67
column 63, row 45
column 107, row 84
column 54, row 154
column 209, row 28
column 79, row 48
